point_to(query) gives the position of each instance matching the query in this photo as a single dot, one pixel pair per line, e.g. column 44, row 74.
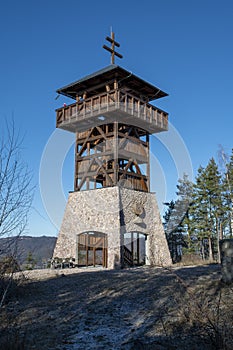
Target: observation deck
column 112, row 94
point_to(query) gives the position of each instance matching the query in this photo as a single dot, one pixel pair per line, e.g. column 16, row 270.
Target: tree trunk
column 202, row 250
column 210, row 250
column 220, row 237
column 231, row 225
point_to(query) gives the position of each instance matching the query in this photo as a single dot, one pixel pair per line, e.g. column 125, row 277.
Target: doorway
column 92, row 249
column 134, row 249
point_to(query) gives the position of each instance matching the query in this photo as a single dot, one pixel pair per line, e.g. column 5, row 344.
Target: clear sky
column 183, row 47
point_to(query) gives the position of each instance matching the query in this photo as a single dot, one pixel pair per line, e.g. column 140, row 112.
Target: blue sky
column 183, row 47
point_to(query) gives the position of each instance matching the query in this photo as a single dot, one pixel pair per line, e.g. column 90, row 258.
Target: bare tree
column 16, row 194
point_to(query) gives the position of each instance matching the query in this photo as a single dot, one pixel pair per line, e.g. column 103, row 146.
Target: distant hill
column 41, row 248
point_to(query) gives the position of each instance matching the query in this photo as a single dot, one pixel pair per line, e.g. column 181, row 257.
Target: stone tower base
column 113, row 211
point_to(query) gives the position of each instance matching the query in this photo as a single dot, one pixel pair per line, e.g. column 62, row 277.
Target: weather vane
column 112, row 49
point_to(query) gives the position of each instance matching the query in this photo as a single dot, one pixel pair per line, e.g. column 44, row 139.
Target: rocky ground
column 131, row 309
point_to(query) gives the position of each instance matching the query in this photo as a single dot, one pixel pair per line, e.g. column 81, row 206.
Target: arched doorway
column 134, row 249
column 92, row 249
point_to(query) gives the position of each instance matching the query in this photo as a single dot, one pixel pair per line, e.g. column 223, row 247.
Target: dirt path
column 141, row 308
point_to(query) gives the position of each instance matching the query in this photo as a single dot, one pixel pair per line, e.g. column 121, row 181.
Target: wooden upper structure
column 108, row 95
column 112, row 117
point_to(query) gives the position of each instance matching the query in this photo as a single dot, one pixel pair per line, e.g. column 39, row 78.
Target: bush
column 8, row 265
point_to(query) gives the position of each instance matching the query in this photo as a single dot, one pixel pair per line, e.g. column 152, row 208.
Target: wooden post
column 87, row 247
column 113, row 48
column 76, row 163
column 138, row 248
column 94, row 256
column 88, row 180
column 132, row 247
column 115, row 84
column 105, row 257
column 104, row 254
column 148, row 160
column 115, row 180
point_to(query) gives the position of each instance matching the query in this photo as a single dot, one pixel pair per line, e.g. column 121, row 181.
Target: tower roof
column 95, row 83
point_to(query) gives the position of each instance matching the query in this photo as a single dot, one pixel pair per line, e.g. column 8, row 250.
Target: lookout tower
column 112, row 218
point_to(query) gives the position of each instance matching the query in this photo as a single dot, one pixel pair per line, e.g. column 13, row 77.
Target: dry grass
column 142, row 308
column 206, row 312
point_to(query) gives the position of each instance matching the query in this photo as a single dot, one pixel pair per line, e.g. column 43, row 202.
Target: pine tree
column 228, row 181
column 167, row 215
column 207, row 208
column 30, row 261
column 176, row 218
column 169, row 226
column 226, row 165
column 184, row 202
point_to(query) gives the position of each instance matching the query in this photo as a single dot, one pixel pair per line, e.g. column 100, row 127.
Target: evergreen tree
column 226, row 165
column 228, row 182
column 207, row 208
column 177, row 220
column 169, row 228
column 185, row 189
column 184, row 202
column 30, row 261
column 167, row 215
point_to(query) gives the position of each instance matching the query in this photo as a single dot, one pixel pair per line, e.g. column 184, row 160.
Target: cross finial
column 112, row 49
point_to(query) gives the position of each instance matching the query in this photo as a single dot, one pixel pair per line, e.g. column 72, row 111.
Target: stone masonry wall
column 141, row 214
column 114, row 211
column 226, row 249
column 95, row 210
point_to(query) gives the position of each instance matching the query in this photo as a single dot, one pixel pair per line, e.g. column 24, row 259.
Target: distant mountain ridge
column 41, row 248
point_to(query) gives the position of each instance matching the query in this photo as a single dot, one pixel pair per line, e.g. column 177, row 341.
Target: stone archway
column 134, row 253
column 92, row 249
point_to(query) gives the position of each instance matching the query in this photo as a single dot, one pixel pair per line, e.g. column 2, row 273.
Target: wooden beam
column 115, row 153
column 87, row 247
column 104, row 170
column 132, row 245
column 101, row 132
column 84, row 143
column 132, row 138
column 85, row 174
column 112, row 49
column 148, row 161
column 144, row 185
column 112, row 41
column 124, row 171
column 94, row 256
column 114, row 53
column 124, row 139
column 94, row 138
column 138, row 248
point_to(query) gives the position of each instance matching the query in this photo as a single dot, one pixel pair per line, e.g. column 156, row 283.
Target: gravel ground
column 130, row 309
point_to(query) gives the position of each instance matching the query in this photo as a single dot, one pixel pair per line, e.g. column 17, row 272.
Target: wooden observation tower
column 111, row 218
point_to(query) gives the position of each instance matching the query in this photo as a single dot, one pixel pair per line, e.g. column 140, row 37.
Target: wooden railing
column 87, row 108
column 143, row 110
column 111, row 101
